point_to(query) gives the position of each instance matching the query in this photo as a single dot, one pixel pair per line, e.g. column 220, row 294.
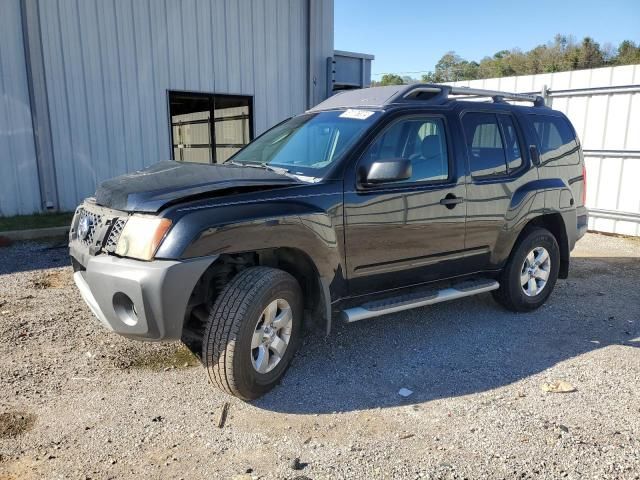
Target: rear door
column 498, row 167
column 403, row 233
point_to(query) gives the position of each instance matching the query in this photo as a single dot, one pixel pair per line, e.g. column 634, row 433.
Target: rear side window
column 484, row 144
column 556, row 139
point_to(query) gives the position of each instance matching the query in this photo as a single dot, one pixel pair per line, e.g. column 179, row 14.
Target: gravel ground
column 78, row 402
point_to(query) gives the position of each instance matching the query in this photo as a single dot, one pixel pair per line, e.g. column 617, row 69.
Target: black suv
column 375, row 201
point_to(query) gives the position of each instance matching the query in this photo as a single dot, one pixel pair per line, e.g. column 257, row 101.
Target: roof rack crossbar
column 446, row 91
column 478, row 92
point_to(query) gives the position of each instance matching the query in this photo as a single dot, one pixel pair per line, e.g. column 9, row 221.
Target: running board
column 419, row 299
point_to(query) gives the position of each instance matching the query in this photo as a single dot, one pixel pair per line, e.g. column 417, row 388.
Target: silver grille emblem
column 84, row 227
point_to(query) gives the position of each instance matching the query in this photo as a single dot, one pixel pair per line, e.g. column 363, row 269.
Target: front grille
column 93, row 221
column 114, row 234
column 97, row 228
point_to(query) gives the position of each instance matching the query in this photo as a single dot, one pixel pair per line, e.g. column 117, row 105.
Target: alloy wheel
column 271, row 336
column 535, row 271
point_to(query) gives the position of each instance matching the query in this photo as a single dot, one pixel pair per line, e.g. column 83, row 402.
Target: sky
column 408, row 36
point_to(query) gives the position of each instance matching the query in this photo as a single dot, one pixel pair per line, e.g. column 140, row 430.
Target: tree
column 450, row 68
column 391, row 79
column 628, row 53
column 561, row 54
column 590, row 55
column 447, row 68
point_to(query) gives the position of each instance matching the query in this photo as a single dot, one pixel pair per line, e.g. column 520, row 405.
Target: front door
column 412, row 231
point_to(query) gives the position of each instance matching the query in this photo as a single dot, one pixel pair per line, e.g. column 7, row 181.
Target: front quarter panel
column 309, row 220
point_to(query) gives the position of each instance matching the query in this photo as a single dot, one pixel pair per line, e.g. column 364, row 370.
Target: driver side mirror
column 386, row 171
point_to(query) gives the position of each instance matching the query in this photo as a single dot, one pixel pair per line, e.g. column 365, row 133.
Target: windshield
column 308, row 144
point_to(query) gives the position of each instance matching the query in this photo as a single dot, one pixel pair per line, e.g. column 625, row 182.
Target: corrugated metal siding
column 109, row 64
column 321, row 47
column 19, row 187
column 605, row 122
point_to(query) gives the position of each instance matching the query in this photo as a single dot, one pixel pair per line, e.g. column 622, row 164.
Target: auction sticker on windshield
column 357, row 114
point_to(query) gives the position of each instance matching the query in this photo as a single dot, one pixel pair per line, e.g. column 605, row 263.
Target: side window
column 555, row 138
column 421, row 140
column 484, row 144
column 511, row 143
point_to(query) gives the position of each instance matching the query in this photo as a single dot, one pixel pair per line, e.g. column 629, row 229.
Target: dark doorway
column 209, row 128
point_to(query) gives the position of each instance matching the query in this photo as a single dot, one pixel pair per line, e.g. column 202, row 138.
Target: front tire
column 531, row 272
column 253, row 331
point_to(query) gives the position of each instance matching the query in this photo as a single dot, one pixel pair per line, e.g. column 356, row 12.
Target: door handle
column 450, row 201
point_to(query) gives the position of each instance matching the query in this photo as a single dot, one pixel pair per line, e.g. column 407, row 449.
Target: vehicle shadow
column 462, row 347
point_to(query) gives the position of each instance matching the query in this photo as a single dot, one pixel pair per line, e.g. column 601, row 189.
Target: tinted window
column 555, row 138
column 511, row 143
column 421, row 140
column 484, row 144
column 307, row 144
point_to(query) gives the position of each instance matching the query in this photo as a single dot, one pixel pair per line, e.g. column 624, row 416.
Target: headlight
column 142, row 236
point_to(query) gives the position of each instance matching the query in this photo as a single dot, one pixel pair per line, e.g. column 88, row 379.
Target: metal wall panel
column 109, row 64
column 607, row 120
column 19, row 187
column 320, row 48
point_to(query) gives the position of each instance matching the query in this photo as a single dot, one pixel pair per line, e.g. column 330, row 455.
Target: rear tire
column 253, row 331
column 531, row 272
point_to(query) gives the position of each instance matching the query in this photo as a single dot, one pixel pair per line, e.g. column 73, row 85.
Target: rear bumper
column 582, row 221
column 137, row 299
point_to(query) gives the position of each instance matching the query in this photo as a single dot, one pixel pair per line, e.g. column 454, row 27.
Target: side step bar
column 420, row 299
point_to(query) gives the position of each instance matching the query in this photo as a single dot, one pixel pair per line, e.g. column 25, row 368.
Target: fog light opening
column 125, row 309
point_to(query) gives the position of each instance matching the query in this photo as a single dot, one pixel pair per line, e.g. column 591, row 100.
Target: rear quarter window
column 556, row 140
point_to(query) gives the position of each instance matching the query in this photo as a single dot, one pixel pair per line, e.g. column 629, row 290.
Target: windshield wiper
column 237, row 164
column 279, row 170
column 266, row 166
column 263, row 165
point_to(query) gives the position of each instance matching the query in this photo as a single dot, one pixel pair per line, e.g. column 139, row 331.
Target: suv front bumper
column 138, row 299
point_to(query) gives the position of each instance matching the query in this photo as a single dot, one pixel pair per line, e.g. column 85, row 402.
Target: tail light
column 584, row 185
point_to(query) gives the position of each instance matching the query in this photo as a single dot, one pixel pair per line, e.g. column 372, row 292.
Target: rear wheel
column 531, row 272
column 253, row 331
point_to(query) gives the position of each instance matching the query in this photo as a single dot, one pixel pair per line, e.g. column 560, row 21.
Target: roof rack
column 425, row 93
column 441, row 92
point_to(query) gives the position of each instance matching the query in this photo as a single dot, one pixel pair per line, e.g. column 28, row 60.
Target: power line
column 400, row 73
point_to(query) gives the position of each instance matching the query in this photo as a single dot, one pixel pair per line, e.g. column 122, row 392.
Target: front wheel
column 531, row 272
column 253, row 331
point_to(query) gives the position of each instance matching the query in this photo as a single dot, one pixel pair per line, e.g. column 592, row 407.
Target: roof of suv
column 417, row 94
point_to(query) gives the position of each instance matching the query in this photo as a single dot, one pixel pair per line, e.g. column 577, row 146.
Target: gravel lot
column 78, row 402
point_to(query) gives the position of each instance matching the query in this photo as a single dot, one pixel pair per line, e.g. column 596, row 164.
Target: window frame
column 211, row 97
column 519, row 138
column 509, row 173
column 408, row 184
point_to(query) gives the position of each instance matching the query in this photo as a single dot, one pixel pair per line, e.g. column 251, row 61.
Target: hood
column 151, row 189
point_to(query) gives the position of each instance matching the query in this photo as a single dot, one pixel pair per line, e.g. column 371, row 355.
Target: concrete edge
column 35, row 233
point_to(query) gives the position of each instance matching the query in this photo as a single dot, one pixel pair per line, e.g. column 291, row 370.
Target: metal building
column 92, row 89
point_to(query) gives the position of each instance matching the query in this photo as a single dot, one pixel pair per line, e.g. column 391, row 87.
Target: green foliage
column 628, row 53
column 560, row 55
column 38, row 220
column 390, row 79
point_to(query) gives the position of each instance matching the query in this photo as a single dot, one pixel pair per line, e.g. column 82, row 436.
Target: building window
column 209, row 128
